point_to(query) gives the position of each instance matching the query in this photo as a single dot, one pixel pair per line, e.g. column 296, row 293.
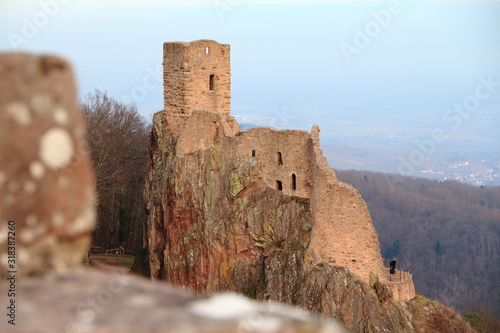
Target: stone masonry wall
column 404, row 290
column 283, row 154
column 188, row 68
column 343, row 233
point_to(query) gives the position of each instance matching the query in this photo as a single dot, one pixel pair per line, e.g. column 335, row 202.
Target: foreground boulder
column 46, row 179
column 86, row 301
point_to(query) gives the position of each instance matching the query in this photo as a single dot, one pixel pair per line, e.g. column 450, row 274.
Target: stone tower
column 196, row 77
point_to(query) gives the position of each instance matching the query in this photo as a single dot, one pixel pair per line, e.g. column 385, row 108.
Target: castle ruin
column 286, row 164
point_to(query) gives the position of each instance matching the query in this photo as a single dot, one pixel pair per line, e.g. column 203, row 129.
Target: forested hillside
column 118, row 141
column 450, row 232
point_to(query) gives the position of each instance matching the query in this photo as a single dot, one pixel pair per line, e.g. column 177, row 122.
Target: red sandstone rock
column 46, row 181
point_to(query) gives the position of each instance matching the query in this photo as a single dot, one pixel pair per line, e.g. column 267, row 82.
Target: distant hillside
column 450, row 232
column 469, row 164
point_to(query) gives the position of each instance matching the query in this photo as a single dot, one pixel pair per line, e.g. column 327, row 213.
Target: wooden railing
column 119, row 252
column 94, row 250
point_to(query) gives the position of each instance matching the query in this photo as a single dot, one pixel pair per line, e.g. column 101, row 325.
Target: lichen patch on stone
column 56, row 148
column 20, row 112
column 223, row 306
column 37, row 170
column 141, row 301
column 61, row 116
column 57, row 219
column 30, row 234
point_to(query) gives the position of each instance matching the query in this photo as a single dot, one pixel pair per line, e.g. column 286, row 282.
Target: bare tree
column 118, row 139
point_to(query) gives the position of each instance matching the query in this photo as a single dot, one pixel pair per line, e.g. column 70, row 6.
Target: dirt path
column 109, row 268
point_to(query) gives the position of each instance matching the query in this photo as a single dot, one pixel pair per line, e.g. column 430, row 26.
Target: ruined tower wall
column 202, row 131
column 197, row 76
column 285, row 156
column 343, row 233
column 174, row 77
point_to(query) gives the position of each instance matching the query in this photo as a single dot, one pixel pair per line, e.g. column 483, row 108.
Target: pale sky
column 385, row 67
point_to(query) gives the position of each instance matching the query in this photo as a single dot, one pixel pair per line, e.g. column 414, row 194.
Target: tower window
column 280, row 159
column 294, row 182
column 211, row 83
column 207, row 50
column 253, row 153
column 279, row 185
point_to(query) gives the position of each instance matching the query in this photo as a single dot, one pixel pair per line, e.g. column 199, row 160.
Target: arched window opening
column 279, row 185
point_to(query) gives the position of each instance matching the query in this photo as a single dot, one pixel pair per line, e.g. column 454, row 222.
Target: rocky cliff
column 215, row 224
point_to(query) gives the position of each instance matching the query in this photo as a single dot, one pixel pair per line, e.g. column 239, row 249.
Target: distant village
column 468, row 172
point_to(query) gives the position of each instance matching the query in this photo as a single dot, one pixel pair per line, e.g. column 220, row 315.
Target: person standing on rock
column 392, row 265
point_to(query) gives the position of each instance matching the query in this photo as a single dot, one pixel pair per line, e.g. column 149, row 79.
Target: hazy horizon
column 375, row 74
